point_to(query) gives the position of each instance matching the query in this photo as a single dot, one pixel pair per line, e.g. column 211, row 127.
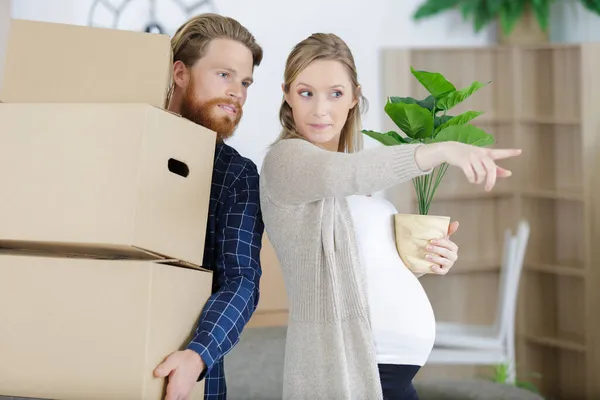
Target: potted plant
column 520, row 21
column 427, row 121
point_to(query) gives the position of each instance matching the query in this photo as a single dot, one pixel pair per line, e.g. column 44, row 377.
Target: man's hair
column 190, row 40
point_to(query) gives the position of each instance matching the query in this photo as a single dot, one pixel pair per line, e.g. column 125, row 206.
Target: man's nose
column 236, row 91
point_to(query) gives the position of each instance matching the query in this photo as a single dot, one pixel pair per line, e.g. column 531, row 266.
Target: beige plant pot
column 413, row 233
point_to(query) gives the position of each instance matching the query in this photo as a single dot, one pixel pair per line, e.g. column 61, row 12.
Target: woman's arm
column 297, row 171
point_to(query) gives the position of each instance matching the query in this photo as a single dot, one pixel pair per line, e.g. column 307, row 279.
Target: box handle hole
column 178, row 168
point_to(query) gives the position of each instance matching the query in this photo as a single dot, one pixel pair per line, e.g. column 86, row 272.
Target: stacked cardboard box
column 103, row 214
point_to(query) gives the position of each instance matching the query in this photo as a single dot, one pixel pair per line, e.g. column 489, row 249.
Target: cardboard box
column 52, row 62
column 104, row 180
column 77, row 329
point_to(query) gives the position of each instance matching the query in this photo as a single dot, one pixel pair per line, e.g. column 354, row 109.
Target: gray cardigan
column 329, row 349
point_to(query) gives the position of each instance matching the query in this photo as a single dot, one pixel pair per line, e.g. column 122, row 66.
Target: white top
column 402, row 320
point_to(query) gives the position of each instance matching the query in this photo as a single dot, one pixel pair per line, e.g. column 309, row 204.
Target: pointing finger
column 497, row 154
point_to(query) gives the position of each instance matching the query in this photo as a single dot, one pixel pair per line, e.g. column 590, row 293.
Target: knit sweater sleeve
column 297, row 171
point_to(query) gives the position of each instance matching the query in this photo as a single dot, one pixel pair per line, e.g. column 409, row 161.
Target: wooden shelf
column 561, row 321
column 575, row 269
column 543, row 99
column 560, row 343
column 549, row 121
column 557, row 368
column 471, row 266
column 575, row 194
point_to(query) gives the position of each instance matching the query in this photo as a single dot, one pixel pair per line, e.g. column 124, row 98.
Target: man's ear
column 181, row 74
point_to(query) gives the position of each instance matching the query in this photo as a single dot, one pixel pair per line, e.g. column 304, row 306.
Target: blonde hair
column 190, row 40
column 323, row 46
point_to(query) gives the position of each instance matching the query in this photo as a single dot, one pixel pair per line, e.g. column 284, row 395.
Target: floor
column 254, row 371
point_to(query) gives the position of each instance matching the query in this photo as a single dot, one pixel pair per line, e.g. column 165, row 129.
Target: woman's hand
column 478, row 163
column 443, row 253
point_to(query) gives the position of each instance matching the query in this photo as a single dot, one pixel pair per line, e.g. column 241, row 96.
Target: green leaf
column 414, row 120
column 468, row 134
column 479, row 17
column 428, row 102
column 460, row 119
column 433, row 7
column 468, row 7
column 541, row 9
column 390, row 138
column 510, row 13
column 441, row 120
column 434, row 82
column 451, row 99
column 494, row 6
column 527, row 386
column 592, row 5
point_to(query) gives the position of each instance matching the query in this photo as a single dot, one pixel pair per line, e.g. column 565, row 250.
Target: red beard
column 202, row 113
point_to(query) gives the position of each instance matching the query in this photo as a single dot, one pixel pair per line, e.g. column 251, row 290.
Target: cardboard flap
column 76, row 250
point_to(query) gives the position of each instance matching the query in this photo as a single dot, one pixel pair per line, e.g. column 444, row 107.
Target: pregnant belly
column 402, row 319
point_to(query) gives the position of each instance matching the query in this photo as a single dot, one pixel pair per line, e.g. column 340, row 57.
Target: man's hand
column 183, row 369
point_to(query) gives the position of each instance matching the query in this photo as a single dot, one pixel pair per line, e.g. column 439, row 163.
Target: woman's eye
column 223, row 74
column 305, row 93
column 337, row 94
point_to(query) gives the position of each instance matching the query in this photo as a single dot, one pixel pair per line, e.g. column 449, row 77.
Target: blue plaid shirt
column 232, row 251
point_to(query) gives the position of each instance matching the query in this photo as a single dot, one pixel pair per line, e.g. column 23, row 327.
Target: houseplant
column 527, row 19
column 427, row 121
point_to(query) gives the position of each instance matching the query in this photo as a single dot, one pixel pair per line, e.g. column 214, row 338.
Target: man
column 213, row 63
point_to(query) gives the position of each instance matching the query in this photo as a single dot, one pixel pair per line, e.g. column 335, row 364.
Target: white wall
column 5, row 11
column 278, row 25
column 572, row 23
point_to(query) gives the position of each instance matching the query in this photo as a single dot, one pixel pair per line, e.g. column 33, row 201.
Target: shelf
column 550, row 83
column 561, row 343
column 552, row 159
column 557, row 233
column 570, row 194
column 549, row 121
column 476, row 266
column 574, row 268
column 554, row 308
column 482, row 224
column 541, row 99
column 558, row 372
column 469, row 298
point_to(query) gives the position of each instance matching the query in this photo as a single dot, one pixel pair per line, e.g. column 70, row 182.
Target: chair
column 468, row 344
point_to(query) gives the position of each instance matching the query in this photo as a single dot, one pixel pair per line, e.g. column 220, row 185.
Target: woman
column 360, row 325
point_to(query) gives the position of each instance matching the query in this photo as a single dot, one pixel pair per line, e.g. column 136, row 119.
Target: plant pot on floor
column 413, row 233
